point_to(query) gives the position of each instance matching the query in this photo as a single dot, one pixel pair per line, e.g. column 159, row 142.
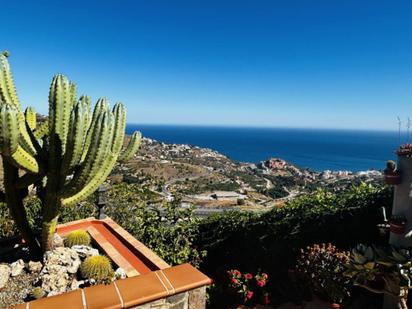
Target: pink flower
column 234, row 281
column 261, row 283
column 248, row 276
column 265, row 275
column 237, row 273
column 249, row 295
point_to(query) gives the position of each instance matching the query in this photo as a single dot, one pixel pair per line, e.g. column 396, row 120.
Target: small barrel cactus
column 37, row 292
column 78, row 237
column 97, row 267
column 390, row 166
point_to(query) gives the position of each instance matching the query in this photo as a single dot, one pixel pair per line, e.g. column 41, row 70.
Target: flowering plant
column 250, row 289
column 404, row 150
column 323, row 267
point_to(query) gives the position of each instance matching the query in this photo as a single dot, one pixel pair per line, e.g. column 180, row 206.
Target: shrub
column 32, row 206
column 271, row 241
column 323, row 267
column 169, row 232
column 97, row 267
column 78, row 237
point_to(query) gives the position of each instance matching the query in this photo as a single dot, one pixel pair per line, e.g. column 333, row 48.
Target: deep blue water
column 313, row 148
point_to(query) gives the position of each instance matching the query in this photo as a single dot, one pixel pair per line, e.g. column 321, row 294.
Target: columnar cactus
column 66, row 157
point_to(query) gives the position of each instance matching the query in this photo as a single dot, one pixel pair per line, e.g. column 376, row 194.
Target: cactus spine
column 66, row 157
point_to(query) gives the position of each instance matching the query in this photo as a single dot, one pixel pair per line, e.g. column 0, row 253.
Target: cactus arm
column 76, row 138
column 119, row 113
column 9, row 130
column 93, row 184
column 8, row 94
column 98, row 150
column 60, row 106
column 42, row 130
column 132, row 147
column 25, row 140
column 9, row 140
column 22, row 159
column 31, row 120
column 8, row 91
column 101, row 106
column 73, row 94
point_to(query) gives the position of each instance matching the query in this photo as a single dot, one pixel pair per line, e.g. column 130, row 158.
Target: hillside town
column 208, row 179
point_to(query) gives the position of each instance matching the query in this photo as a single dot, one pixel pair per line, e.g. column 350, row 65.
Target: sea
column 316, row 149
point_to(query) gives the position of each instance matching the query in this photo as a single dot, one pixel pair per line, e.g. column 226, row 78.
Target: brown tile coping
column 128, row 292
column 73, row 299
column 125, row 250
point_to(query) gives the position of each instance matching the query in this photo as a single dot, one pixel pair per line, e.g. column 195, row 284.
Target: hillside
column 206, row 178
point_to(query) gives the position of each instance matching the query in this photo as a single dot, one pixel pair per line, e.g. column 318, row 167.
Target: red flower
column 248, row 276
column 249, row 295
column 237, row 273
column 261, row 283
column 234, row 281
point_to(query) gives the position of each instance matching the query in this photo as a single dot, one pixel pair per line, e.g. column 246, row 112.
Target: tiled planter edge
column 164, row 287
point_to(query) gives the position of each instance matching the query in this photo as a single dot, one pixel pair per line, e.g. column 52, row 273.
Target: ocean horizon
column 316, row 149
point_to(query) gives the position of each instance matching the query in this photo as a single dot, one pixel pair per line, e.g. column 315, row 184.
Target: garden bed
column 140, row 276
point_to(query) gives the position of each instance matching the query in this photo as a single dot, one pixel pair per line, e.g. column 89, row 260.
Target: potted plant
column 398, row 224
column 322, row 267
column 405, row 150
column 392, row 175
column 382, row 271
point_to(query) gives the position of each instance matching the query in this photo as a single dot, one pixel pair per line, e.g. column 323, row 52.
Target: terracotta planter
column 149, row 278
column 393, row 179
column 397, row 228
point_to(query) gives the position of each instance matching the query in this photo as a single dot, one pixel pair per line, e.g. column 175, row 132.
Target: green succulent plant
column 390, row 167
column 37, row 292
column 97, row 267
column 78, row 237
column 65, row 158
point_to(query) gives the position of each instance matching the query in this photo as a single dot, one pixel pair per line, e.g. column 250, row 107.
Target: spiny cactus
column 37, row 292
column 97, row 267
column 78, row 237
column 66, row 157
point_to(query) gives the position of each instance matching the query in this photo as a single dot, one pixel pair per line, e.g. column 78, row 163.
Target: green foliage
column 97, row 267
column 32, row 206
column 382, row 270
column 169, row 231
column 37, row 292
column 65, row 159
column 78, row 237
column 271, row 241
column 276, row 192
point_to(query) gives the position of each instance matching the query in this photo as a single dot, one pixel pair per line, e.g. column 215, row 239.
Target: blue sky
column 323, row 64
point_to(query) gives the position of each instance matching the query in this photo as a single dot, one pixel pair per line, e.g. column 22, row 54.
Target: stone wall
column 193, row 299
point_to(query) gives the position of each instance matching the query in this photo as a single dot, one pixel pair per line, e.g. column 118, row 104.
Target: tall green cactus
column 66, row 157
